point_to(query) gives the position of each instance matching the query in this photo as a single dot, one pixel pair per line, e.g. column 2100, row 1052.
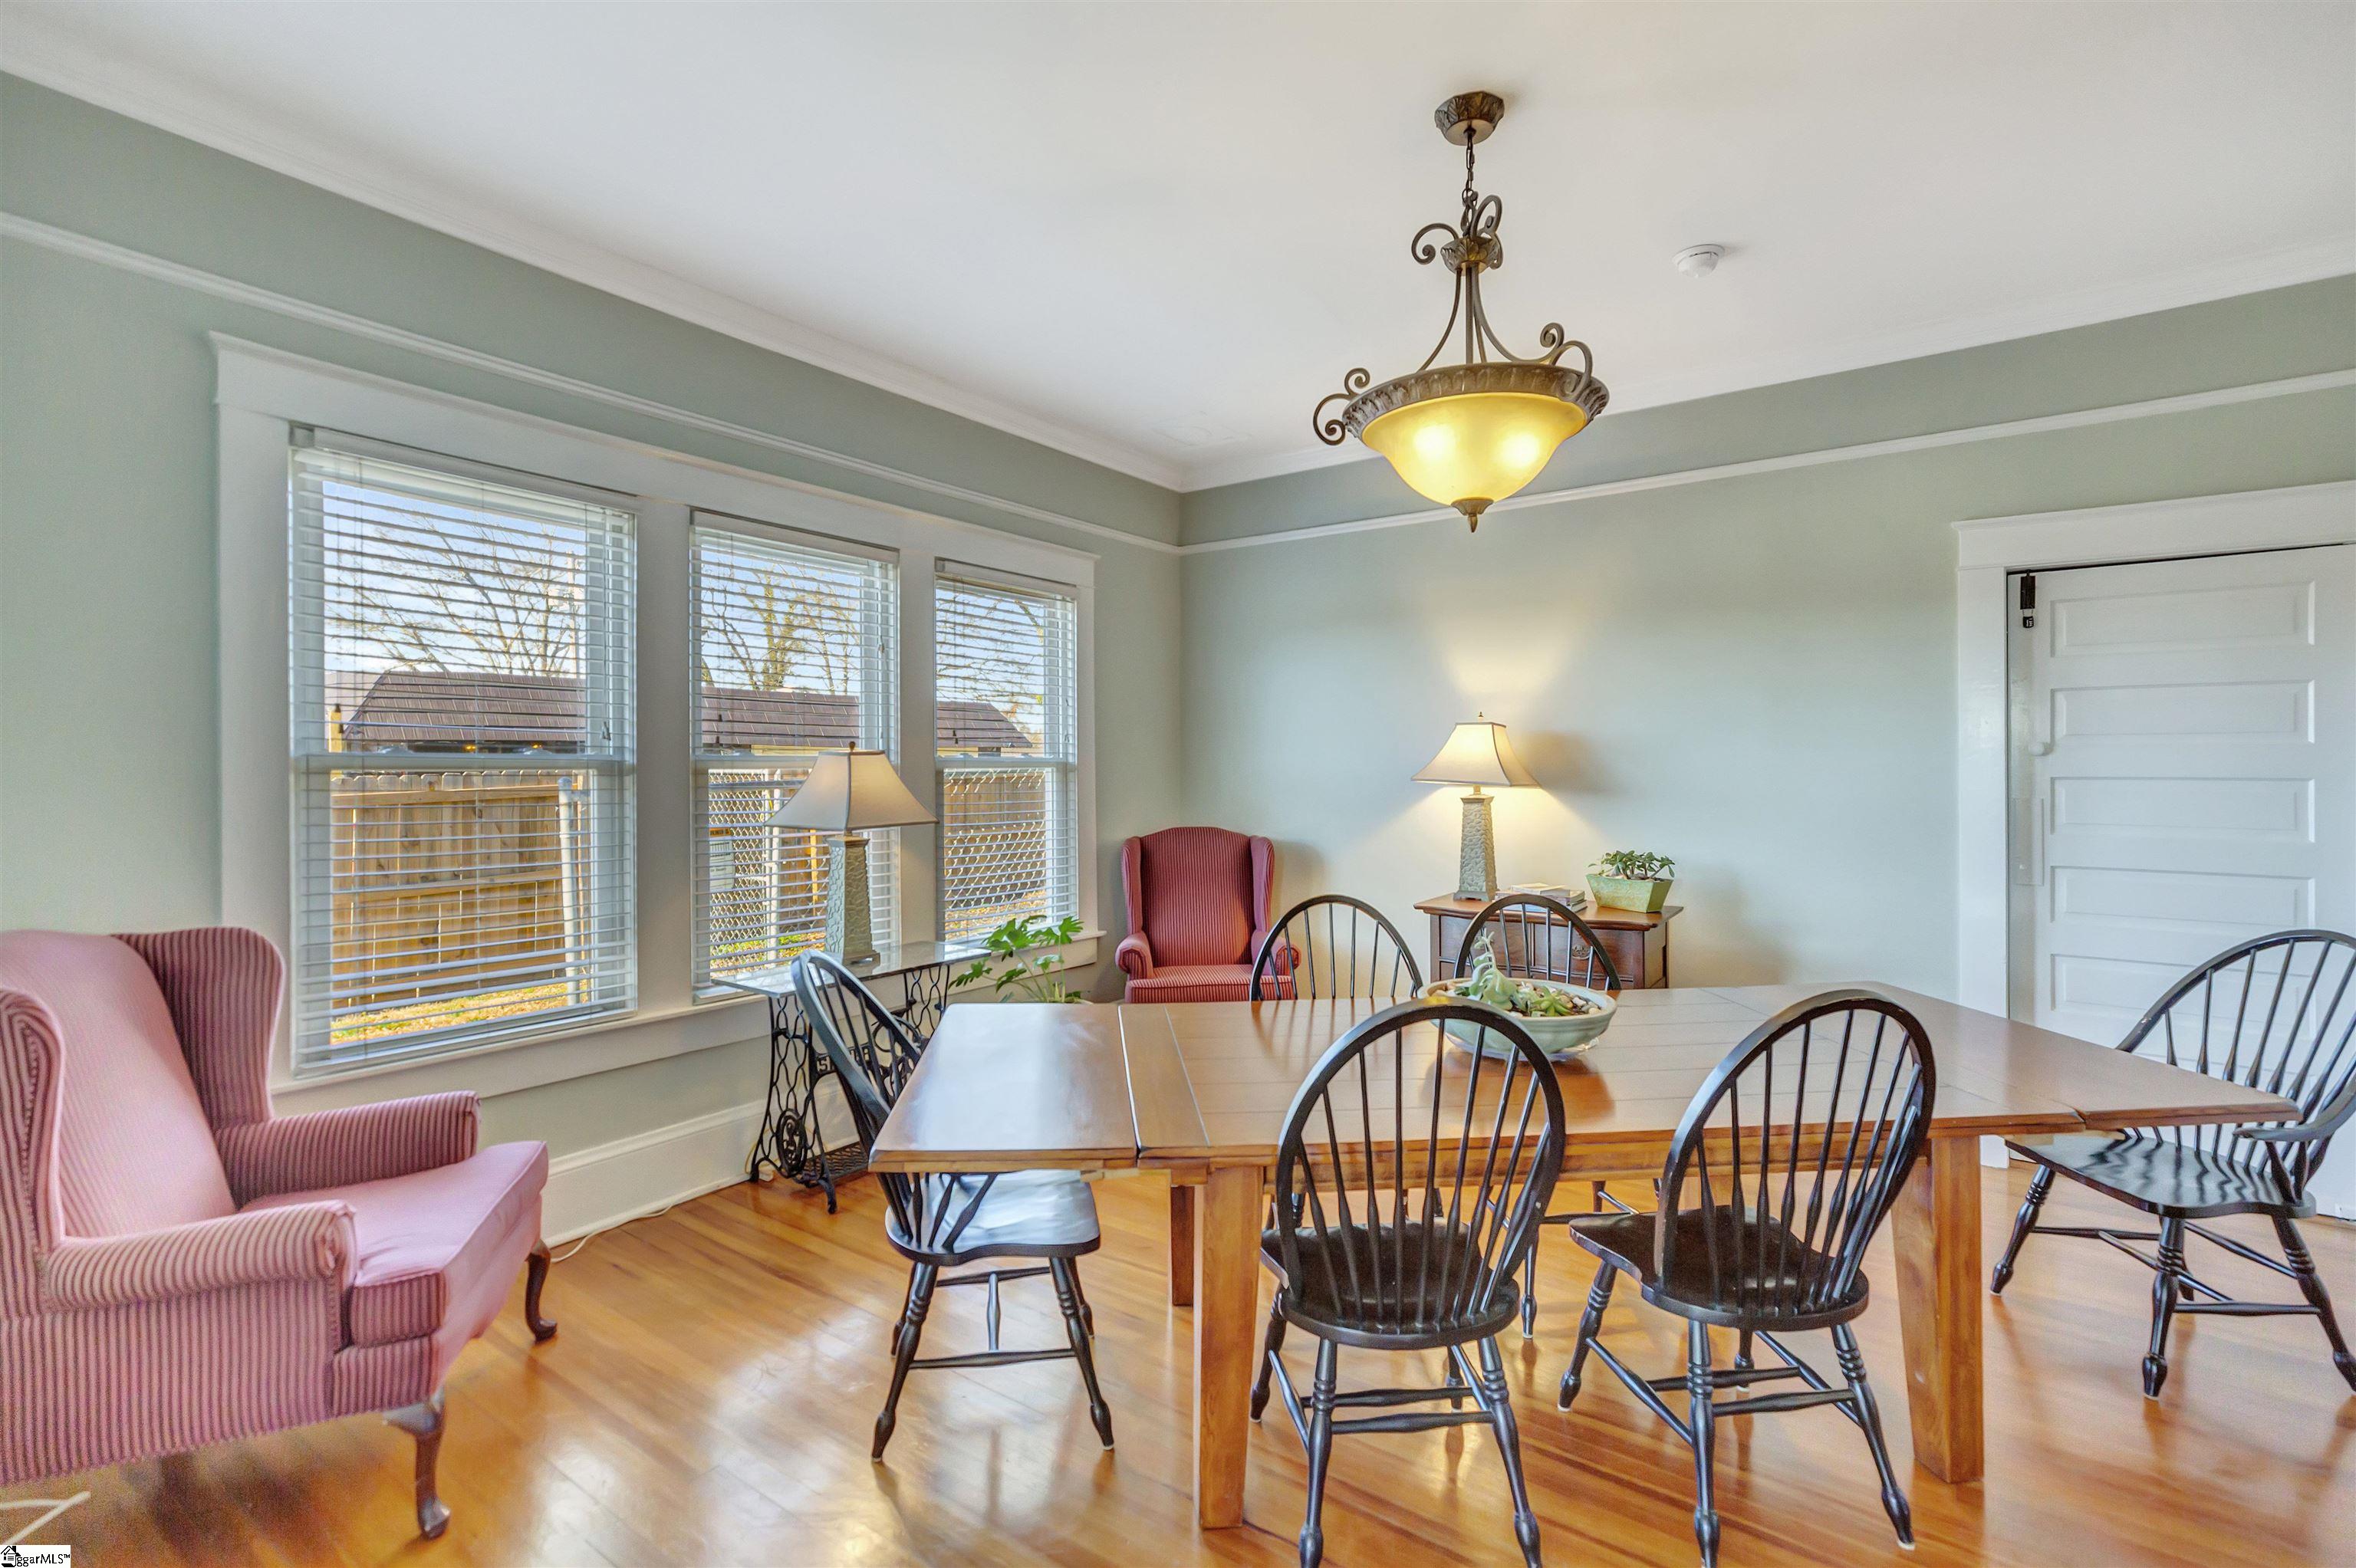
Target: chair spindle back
column 2274, row 1013
column 1795, row 1149
column 1333, row 946
column 1418, row 1182
column 873, row 1056
column 1533, row 937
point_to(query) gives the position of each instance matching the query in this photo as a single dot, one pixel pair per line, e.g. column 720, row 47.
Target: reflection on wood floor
column 711, row 1397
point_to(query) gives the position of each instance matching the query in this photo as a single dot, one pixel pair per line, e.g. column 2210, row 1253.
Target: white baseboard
column 592, row 1188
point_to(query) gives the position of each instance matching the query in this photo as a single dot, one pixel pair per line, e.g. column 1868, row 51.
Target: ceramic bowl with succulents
column 1563, row 1019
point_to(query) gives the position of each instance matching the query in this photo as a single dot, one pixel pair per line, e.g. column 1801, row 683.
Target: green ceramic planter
column 1619, row 892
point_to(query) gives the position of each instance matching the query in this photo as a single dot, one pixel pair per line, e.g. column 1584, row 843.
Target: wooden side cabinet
column 1638, row 943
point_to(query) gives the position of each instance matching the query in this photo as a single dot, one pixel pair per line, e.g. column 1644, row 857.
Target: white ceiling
column 1156, row 234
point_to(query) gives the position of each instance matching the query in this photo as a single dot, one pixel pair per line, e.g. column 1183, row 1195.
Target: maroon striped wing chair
column 177, row 1265
column 1197, row 913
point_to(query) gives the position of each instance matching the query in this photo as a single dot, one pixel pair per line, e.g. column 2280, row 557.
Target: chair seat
column 1025, row 1213
column 1192, row 983
column 2161, row 1177
column 1364, row 1307
column 1771, row 1261
column 437, row 1242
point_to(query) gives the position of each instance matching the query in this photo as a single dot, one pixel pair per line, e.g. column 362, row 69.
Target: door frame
column 1989, row 548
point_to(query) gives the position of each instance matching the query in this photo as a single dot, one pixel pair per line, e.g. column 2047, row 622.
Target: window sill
column 505, row 1067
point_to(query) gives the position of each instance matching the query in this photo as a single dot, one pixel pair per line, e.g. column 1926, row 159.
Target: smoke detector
column 1698, row 260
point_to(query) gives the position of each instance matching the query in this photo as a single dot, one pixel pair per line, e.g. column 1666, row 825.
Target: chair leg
column 1868, row 1415
column 1705, row 1442
column 1530, row 1287
column 904, row 1350
column 1599, row 1195
column 1320, row 1450
column 425, row 1422
column 1067, row 1296
column 535, row 1275
column 1742, row 1349
column 1598, row 1296
column 1087, row 1313
column 2038, row 1186
column 1266, row 1373
column 1509, row 1447
column 900, row 1324
column 2167, row 1289
column 2310, row 1284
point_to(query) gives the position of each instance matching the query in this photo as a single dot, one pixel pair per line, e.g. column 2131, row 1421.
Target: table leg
column 1182, row 1244
column 1938, row 1247
column 1226, row 1298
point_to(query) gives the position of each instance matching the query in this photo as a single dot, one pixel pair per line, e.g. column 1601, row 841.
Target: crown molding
column 64, row 242
column 37, row 49
column 2059, row 313
column 2110, row 413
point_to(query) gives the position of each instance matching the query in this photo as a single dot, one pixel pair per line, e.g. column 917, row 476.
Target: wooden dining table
column 1200, row 1090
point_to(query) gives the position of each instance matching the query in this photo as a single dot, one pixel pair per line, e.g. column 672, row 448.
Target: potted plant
column 1029, row 974
column 1563, row 1019
column 1632, row 879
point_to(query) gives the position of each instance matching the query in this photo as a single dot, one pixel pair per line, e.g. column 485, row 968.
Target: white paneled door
column 2184, row 740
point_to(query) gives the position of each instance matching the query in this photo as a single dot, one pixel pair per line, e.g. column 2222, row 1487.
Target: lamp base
column 1477, row 859
column 849, row 924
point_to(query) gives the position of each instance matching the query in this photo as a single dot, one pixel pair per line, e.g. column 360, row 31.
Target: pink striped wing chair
column 179, row 1267
column 1197, row 913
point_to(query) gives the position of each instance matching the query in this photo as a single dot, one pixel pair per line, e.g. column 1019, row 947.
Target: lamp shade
column 850, row 792
column 1477, row 753
column 1469, row 451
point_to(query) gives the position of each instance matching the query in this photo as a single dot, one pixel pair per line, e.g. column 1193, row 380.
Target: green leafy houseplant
column 1632, row 879
column 1011, row 962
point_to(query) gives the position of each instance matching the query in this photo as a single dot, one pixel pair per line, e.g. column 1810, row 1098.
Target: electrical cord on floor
column 574, row 1248
column 54, row 1507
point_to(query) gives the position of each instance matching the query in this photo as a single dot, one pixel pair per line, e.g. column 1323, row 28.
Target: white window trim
column 1084, row 774
column 263, row 393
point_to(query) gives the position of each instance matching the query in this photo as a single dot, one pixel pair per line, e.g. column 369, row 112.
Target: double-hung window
column 461, row 672
column 796, row 652
column 1006, row 652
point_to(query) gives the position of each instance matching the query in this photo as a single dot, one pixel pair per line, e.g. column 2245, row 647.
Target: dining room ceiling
column 1156, row 234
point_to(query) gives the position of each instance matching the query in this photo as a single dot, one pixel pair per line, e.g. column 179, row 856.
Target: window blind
column 461, row 741
column 1007, row 669
column 796, row 651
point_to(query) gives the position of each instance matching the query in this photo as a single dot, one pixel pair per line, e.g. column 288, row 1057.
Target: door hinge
column 2027, row 599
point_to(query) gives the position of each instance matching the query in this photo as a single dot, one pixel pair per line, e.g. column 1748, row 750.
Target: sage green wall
column 1754, row 675
column 109, row 788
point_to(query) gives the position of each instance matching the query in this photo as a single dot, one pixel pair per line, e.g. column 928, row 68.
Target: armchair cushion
column 437, row 1249
column 134, row 1149
column 358, row 1143
column 302, row 1242
column 1193, row 982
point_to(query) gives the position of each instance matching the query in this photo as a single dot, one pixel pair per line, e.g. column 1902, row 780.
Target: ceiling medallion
column 1470, row 434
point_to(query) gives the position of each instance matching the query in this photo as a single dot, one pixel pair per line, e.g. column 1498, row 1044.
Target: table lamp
column 847, row 793
column 1477, row 754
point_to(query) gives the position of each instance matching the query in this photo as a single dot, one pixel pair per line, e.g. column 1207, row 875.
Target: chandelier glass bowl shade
column 1469, row 435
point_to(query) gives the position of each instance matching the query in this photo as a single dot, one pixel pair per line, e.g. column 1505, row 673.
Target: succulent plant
column 1486, row 983
column 1636, row 866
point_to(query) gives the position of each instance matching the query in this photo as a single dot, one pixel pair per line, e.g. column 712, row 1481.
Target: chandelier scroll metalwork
column 1469, row 434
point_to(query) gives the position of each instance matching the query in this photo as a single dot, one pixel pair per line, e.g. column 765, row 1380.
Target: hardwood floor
column 710, row 1400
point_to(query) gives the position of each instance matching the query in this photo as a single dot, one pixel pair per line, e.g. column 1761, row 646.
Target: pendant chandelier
column 1469, row 435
